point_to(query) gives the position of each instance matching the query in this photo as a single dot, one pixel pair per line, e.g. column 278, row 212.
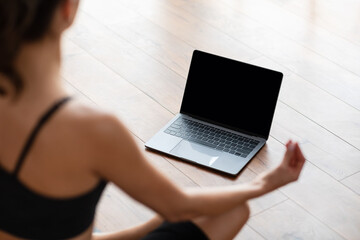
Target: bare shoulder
column 99, row 135
column 94, row 125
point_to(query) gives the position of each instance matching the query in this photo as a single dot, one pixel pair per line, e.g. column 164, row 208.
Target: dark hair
column 21, row 21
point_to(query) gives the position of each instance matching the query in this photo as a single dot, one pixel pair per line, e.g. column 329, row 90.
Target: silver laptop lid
column 231, row 93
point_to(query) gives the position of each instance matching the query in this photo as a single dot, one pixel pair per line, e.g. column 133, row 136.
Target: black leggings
column 176, row 231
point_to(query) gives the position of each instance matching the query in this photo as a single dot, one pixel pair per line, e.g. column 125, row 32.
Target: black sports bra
column 27, row 214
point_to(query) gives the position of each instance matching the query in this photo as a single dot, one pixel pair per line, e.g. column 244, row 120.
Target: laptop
column 225, row 115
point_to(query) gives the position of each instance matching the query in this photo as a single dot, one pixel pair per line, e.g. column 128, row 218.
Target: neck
column 38, row 64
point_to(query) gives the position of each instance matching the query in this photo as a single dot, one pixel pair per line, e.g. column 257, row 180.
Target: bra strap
column 36, row 130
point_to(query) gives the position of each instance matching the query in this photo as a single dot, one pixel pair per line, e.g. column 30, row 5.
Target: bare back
column 58, row 164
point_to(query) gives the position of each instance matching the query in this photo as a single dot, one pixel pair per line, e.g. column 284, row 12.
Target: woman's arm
column 220, row 199
column 119, row 160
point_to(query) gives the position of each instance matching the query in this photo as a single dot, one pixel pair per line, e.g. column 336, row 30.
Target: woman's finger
column 288, row 142
column 289, row 154
column 299, row 156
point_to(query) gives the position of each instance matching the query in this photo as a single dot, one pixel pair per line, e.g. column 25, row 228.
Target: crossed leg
column 225, row 226
column 222, row 227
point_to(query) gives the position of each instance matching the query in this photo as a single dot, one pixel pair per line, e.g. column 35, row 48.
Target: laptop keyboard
column 212, row 137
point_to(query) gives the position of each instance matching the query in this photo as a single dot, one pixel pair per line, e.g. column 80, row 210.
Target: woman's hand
column 288, row 171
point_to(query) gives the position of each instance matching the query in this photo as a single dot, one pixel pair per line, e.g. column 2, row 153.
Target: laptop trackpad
column 196, row 152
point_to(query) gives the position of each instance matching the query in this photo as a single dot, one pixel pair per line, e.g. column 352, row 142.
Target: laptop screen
column 230, row 93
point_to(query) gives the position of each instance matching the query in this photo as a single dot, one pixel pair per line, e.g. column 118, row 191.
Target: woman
column 56, row 155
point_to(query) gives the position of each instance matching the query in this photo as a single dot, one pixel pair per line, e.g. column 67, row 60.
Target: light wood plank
column 298, row 223
column 149, row 37
column 314, row 68
column 323, row 42
column 199, row 35
column 339, row 17
column 353, row 182
column 340, row 119
column 133, row 65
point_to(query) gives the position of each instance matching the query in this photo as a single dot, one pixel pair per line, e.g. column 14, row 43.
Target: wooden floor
column 132, row 57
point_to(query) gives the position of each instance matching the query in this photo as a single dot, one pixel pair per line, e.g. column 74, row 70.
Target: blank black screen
column 231, row 93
